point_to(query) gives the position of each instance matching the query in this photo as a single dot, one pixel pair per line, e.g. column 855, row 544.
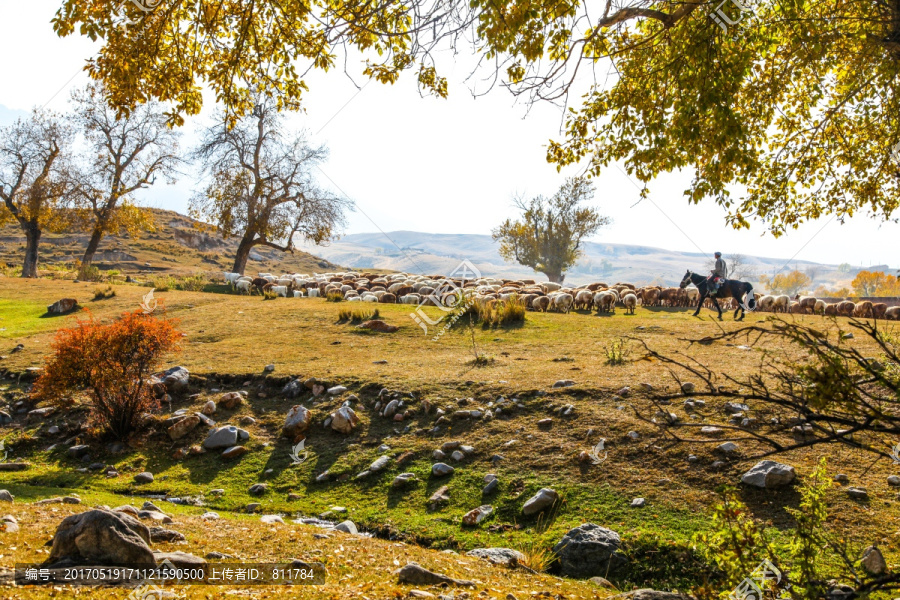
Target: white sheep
column 367, row 297
column 819, row 307
column 280, row 290
column 605, row 301
column 298, row 293
column 630, row 302
column 781, row 304
column 584, row 299
column 313, row 292
column 563, row 302
column 242, row 286
column 549, row 286
column 765, row 303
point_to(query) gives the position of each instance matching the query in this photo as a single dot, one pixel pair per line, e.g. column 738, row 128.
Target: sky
column 434, row 165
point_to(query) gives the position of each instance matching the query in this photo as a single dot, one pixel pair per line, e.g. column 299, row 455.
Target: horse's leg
column 718, row 308
column 699, row 304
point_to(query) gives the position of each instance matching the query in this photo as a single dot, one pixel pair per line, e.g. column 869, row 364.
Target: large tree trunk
column 32, row 239
column 91, row 249
column 243, row 252
column 555, row 276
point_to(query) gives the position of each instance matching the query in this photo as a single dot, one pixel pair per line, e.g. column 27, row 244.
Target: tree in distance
column 549, row 234
column 261, row 186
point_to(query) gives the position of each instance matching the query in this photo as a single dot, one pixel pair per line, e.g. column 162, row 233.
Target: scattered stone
column 253, row 507
column 258, row 488
column 540, row 501
column 182, row 427
column 687, row 387
column 63, row 306
column 589, row 551
column 379, row 326
column 102, row 537
column 728, row 448
column 296, row 422
column 708, row 430
column 269, row 368
column 448, row 447
column 247, row 420
column 638, row 503
column 858, row 493
column 441, row 469
column 414, row 593
column 205, row 420
column 209, row 408
column 457, row 455
column 841, row 478
column 217, row 556
column 733, row 408
column 230, row 401
column 633, row 435
column 5, row 496
column 235, row 452
column 160, row 534
column 347, row 527
column 403, row 480
column 209, row 516
column 9, row 524
column 440, row 497
column 564, row 383
column 181, row 560
column 42, row 412
column 271, row 519
column 336, row 390
column 175, row 379
column 145, row 477
column 893, row 481
column 417, row 575
column 13, row 466
column 223, row 437
column 344, row 420
column 624, row 392
column 769, row 474
column 545, row 424
column 602, row 582
column 78, row 451
column 477, row 515
column 498, row 556
column 491, row 487
column 873, row 561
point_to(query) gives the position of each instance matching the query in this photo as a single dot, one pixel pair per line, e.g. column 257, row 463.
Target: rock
column 222, row 437
column 841, row 478
column 638, row 503
column 252, row 507
column 209, row 516
column 258, row 488
column 708, row 430
column 296, row 422
column 438, row 455
column 624, row 392
column 893, row 481
column 687, row 387
column 540, row 501
column 440, row 497
column 457, row 455
column 545, row 424
column 390, row 409
column 9, row 524
column 104, row 538
column 416, row 575
column 205, row 420
column 344, row 420
column 292, row 497
column 769, row 474
column 271, row 519
column 563, row 383
column 175, row 379
column 414, row 593
column 441, row 469
column 42, row 413
column 5, row 496
column 648, row 594
column 243, row 434
column 336, row 390
column 247, row 420
column 217, row 556
column 63, row 306
column 78, row 451
column 292, row 389
column 379, row 464
column 347, row 527
column 477, row 515
column 403, row 480
column 498, row 556
column 728, row 448
column 268, row 368
column 53, row 430
column 379, row 326
column 209, row 408
column 160, row 534
column 858, row 493
column 181, row 560
column 154, row 515
column 145, row 477
column 733, row 408
column 491, row 487
column 873, row 562
column 183, row 427
column 633, row 436
column 235, row 452
column 589, row 551
column 230, row 400
column 4, row 467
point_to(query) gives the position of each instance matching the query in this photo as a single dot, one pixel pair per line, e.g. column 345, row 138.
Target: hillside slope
column 179, row 245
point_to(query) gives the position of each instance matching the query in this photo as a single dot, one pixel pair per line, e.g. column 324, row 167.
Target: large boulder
column 344, row 420
column 103, row 538
column 183, row 427
column 500, row 556
column 63, row 306
column 588, row 551
column 175, row 379
column 223, row 437
column 540, row 501
column 769, row 474
column 230, row 400
column 296, row 422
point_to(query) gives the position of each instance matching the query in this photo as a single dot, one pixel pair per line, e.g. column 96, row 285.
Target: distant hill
column 419, row 252
column 180, row 245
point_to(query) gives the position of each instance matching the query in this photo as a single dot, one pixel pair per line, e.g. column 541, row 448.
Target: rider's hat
column 718, row 254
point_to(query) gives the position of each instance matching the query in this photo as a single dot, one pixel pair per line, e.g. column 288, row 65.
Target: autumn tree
column 34, row 178
column 126, row 153
column 261, row 186
column 793, row 103
column 787, row 283
column 112, row 363
column 549, row 234
column 866, row 283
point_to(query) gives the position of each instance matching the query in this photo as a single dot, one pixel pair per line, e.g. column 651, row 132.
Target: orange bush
column 112, row 364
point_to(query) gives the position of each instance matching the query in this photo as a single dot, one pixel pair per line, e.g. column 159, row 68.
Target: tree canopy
column 783, row 111
column 548, row 236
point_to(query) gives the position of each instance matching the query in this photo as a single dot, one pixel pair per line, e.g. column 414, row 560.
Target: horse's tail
column 751, row 302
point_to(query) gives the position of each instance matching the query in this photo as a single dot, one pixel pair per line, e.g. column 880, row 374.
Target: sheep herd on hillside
column 404, row 288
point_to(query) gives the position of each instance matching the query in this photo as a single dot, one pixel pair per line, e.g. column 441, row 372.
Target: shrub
column 194, row 283
column 617, row 353
column 334, row 297
column 269, row 295
column 91, row 273
column 112, row 363
column 103, row 294
column 496, row 313
column 357, row 315
column 162, row 283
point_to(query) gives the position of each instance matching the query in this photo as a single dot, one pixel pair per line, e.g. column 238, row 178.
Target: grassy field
column 229, row 340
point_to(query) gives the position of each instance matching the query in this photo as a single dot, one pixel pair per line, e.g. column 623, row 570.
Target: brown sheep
column 831, row 310
column 541, row 303
column 863, row 310
column 259, row 283
column 845, row 308
column 808, row 303
column 879, row 309
column 388, row 298
column 406, row 289
column 892, row 313
column 650, row 297
column 796, row 309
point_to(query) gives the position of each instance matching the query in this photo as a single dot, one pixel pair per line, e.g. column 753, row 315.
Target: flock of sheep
column 404, row 288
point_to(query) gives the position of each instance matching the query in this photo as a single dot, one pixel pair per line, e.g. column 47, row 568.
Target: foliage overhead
column 783, row 111
column 113, row 363
column 549, row 235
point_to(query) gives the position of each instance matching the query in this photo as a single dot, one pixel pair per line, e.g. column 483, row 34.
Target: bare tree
column 34, row 178
column 261, row 185
column 813, row 272
column 126, row 153
column 738, row 267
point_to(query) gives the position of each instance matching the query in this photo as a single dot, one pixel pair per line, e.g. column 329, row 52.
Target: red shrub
column 111, row 363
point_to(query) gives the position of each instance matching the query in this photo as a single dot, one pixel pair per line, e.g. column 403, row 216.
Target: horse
column 731, row 288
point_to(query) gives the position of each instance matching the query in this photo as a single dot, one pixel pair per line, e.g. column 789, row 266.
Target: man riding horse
column 717, row 286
